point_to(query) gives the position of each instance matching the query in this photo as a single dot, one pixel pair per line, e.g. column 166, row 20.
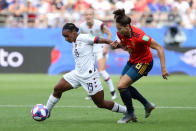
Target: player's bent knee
column 58, row 89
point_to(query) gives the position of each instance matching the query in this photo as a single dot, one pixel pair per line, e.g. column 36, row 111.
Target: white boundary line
column 159, row 107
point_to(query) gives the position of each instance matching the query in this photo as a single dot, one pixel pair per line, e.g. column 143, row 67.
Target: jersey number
column 90, row 87
column 138, row 66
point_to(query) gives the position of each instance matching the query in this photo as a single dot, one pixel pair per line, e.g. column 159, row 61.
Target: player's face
column 89, row 15
column 123, row 30
column 68, row 35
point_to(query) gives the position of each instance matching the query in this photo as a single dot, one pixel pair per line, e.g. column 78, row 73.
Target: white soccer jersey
column 83, row 55
column 95, row 30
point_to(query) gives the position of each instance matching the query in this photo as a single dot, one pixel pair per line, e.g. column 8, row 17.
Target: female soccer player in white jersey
column 84, row 73
column 97, row 28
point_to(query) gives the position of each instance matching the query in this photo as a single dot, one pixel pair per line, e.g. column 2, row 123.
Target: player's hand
column 165, row 74
column 115, row 43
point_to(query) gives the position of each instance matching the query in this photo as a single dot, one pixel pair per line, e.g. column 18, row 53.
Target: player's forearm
column 102, row 40
column 109, row 36
column 161, row 55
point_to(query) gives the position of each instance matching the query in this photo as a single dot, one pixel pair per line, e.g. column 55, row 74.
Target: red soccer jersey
column 137, row 46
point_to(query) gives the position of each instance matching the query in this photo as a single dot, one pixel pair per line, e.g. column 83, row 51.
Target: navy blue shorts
column 136, row 71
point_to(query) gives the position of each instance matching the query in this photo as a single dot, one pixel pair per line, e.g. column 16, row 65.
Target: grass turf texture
column 18, row 94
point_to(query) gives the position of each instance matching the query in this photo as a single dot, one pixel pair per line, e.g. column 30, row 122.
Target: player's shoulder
column 98, row 22
column 82, row 25
column 84, row 37
column 137, row 32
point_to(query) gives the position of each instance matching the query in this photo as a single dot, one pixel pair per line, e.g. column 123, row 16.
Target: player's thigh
column 92, row 85
column 72, row 79
column 124, row 81
column 126, row 68
column 101, row 64
column 101, row 60
column 129, row 75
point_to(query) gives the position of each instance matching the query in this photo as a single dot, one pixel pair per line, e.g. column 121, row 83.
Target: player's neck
column 90, row 24
column 76, row 36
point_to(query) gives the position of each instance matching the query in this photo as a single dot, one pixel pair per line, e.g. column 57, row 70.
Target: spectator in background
column 10, row 2
column 80, row 6
column 139, row 8
column 147, row 19
column 31, row 11
column 174, row 35
column 189, row 19
column 59, row 5
column 182, row 5
column 53, row 17
column 103, row 10
column 163, row 6
column 3, row 12
column 17, row 11
column 140, row 5
column 153, row 6
column 160, row 17
column 3, row 5
column 44, row 7
column 128, row 5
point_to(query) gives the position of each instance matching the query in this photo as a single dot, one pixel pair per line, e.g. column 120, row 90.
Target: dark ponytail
column 121, row 18
column 71, row 27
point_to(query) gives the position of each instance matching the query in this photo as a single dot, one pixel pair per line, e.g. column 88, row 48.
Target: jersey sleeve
column 102, row 25
column 90, row 39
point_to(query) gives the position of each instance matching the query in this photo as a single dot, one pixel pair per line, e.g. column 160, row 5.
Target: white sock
column 119, row 108
column 107, row 79
column 51, row 102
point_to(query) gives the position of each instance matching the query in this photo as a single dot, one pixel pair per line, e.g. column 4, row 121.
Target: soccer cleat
column 127, row 118
column 148, row 109
column 48, row 114
column 88, row 98
column 114, row 96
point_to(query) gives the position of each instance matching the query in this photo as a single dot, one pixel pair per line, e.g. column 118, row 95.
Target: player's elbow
column 160, row 48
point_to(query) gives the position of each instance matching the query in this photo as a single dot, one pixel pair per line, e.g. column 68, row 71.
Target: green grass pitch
column 175, row 100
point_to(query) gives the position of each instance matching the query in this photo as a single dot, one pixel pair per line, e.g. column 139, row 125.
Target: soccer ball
column 39, row 112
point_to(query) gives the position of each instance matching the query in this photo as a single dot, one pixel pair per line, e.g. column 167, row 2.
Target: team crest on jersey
column 145, row 38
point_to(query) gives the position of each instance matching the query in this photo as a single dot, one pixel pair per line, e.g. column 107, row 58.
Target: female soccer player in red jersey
column 138, row 44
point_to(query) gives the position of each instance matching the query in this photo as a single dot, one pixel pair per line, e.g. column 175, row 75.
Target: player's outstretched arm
column 102, row 40
column 114, row 44
column 161, row 54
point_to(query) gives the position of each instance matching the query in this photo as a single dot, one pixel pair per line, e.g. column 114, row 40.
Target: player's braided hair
column 70, row 26
column 121, row 18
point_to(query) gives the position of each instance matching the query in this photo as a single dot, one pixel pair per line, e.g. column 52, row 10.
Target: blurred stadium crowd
column 54, row 13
